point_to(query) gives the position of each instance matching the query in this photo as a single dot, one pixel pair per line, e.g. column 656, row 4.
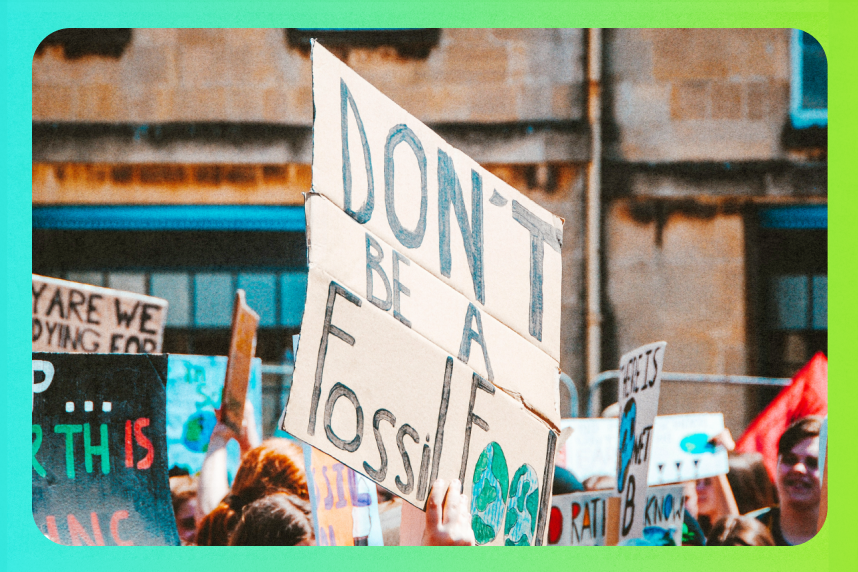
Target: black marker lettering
column 146, row 316
column 91, row 309
column 76, row 298
column 122, row 317
column 373, row 262
column 629, row 506
column 487, row 386
column 380, row 474
column 334, row 289
column 398, row 287
column 56, row 301
column 442, row 419
column 337, row 391
column 469, row 335
column 406, row 487
column 36, row 295
column 423, row 481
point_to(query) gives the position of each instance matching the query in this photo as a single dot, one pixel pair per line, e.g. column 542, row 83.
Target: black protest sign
column 100, row 450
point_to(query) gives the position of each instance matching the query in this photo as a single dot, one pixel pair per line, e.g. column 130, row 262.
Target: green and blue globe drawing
column 198, row 430
column 491, row 486
column 523, row 505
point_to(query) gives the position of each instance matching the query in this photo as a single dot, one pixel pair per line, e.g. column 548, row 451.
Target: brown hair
column 279, row 519
column 804, row 428
column 750, row 483
column 740, row 531
column 276, row 466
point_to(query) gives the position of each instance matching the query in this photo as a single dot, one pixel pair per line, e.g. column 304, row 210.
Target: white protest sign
column 665, row 514
column 380, row 399
column 640, row 382
column 72, row 317
column 681, row 448
column 384, row 275
column 434, row 204
column 579, row 519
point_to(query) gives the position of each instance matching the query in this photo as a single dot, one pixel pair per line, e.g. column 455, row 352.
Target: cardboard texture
column 379, row 398
column 680, row 449
column 345, row 504
column 406, row 185
column 242, row 348
column 665, row 514
column 579, row 519
column 79, row 318
column 640, row 383
column 374, row 270
column 194, row 393
column 99, row 450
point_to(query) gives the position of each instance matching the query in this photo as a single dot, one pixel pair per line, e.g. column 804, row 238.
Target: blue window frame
column 809, row 86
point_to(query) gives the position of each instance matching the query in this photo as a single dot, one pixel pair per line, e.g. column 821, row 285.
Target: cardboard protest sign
column 431, row 415
column 242, row 348
column 194, row 392
column 664, row 515
column 579, row 519
column 99, row 450
column 345, row 504
column 681, row 450
column 640, row 383
column 72, row 317
column 406, row 185
column 384, row 275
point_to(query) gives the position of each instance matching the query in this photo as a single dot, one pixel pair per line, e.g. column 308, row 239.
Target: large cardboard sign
column 681, row 450
column 432, row 316
column 242, row 348
column 194, row 392
column 664, row 515
column 640, row 383
column 384, row 402
column 434, row 204
column 345, row 504
column 72, row 317
column 384, row 275
column 579, row 519
column 99, row 451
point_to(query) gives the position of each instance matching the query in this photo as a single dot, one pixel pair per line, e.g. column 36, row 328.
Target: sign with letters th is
column 432, row 285
column 640, row 383
column 72, row 317
column 99, row 450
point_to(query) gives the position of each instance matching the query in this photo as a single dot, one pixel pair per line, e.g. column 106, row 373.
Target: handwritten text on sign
column 72, row 317
column 404, row 183
column 640, row 382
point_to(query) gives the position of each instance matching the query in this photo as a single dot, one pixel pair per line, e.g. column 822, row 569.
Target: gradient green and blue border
column 22, row 547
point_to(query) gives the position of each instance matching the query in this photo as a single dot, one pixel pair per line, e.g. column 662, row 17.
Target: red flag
column 806, row 395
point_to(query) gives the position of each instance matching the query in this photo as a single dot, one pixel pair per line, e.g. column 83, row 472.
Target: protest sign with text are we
column 72, row 317
column 421, row 319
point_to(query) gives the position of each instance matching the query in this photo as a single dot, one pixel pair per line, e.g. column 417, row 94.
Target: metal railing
column 692, row 377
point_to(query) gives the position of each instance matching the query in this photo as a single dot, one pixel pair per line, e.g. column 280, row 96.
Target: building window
column 809, row 88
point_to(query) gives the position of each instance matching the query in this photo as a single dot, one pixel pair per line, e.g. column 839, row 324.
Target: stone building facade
column 701, row 154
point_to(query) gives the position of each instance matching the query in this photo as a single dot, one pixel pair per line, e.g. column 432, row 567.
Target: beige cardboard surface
column 380, row 384
column 368, row 266
column 377, row 162
column 665, row 508
column 79, row 318
column 579, row 519
column 242, row 349
column 640, row 382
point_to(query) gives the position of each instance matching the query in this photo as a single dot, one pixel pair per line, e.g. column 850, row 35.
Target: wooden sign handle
column 242, row 348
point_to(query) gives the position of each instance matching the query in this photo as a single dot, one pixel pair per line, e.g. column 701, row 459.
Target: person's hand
column 724, row 439
column 448, row 518
column 248, row 438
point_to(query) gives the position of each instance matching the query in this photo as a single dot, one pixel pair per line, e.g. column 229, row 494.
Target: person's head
column 750, row 482
column 276, row 466
column 798, row 477
column 739, row 531
column 278, row 519
column 690, row 493
column 183, row 490
column 706, row 502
